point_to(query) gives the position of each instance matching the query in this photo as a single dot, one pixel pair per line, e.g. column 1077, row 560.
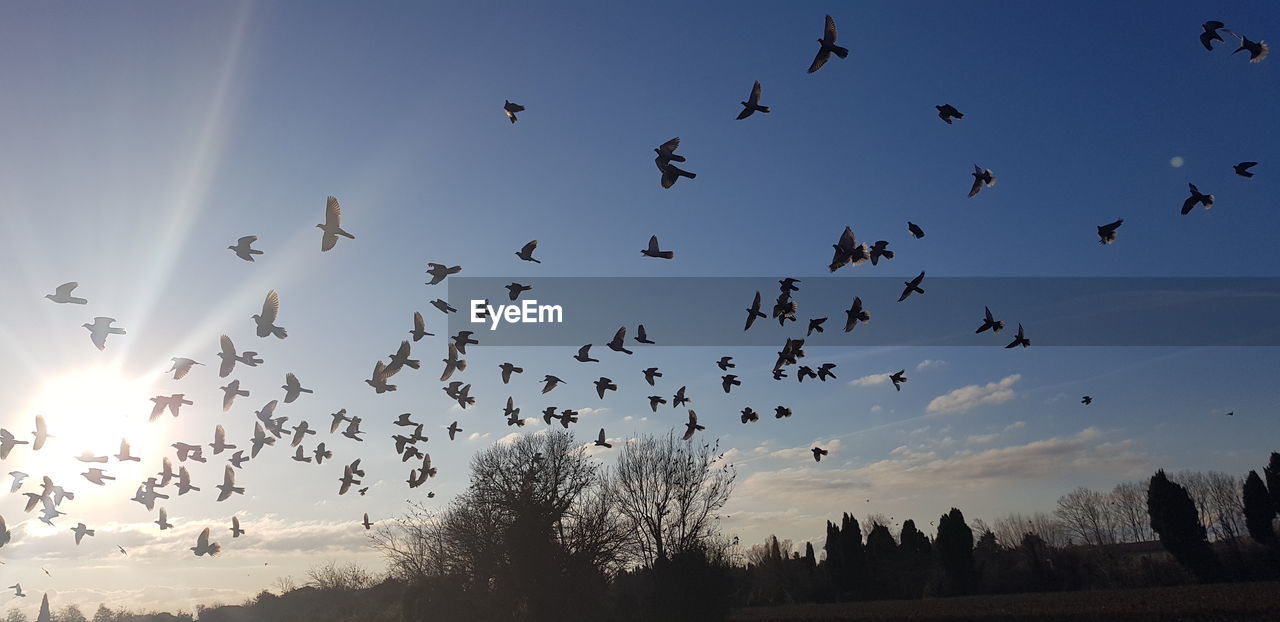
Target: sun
column 87, row 411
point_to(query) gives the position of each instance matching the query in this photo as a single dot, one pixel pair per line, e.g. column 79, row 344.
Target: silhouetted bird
column 1257, row 49
column 526, row 251
column 507, row 370
column 898, row 378
column 266, row 320
column 651, row 373
column 453, row 430
column 827, row 47
column 655, row 401
column 815, row 324
column 990, row 322
column 419, row 327
column 618, row 343
column 515, row 289
column 784, row 308
column 781, row 412
column 981, row 177
column 551, row 383
column 438, row 272
column 692, row 426
column 584, row 355
column 511, row 108
column 452, row 363
column 124, row 455
column 228, row 485
column 878, row 250
column 62, row 294
column 804, row 371
column 1210, row 34
column 1019, row 340
column 947, row 112
column 1242, row 169
column 912, row 287
column 855, row 314
column 100, row 328
column 204, row 547
column 600, row 440
column 728, row 381
column 753, row 312
column 1086, row 400
column 916, row 231
column 680, row 399
column 236, row 531
column 749, row 415
column 1107, row 232
column 445, row 307
column 163, row 520
column 670, row 173
column 818, row 453
column 243, row 248
column 654, row 252
column 847, row 250
column 824, row 371
column 642, row 336
column 604, row 384
column 752, row 104
column 462, row 340
column 725, row 363
column 332, row 225
column 667, row 151
column 181, row 367
column 292, row 388
column 1196, row 197
column 42, row 433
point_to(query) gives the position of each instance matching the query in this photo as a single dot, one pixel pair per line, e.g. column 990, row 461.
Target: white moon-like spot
column 1176, row 161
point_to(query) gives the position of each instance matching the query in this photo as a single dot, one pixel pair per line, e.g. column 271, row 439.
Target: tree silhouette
column 1175, row 519
column 1259, row 510
column 955, row 553
column 1272, row 473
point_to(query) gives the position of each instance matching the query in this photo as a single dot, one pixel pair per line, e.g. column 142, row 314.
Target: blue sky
column 142, row 139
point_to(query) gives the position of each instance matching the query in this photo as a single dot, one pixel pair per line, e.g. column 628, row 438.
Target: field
column 1198, row 603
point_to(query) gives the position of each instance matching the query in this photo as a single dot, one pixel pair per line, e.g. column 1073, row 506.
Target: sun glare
column 87, row 412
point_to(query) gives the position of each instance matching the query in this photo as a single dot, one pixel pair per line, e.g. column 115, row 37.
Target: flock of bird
column 270, row 429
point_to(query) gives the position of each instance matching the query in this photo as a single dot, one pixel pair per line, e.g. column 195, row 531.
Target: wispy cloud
column 969, row 397
column 870, row 381
column 930, row 363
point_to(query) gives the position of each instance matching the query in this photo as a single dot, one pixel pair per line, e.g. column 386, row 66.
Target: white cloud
column 1016, row 425
column 982, row 439
column 478, row 436
column 969, row 397
column 870, row 381
column 935, row 363
column 797, row 453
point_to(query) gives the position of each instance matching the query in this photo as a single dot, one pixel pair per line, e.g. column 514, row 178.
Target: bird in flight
column 163, row 521
column 848, row 251
column 600, row 441
column 855, row 314
column 1257, row 50
column 42, row 434
column 551, row 382
column 124, row 455
column 1242, row 169
column 228, row 485
column 915, row 230
column 749, row 415
column 815, row 324
column 100, row 328
column 526, row 251
column 293, row 388
column 453, row 430
column 266, row 320
column 230, row 392
column 667, row 155
column 898, row 379
column 619, row 341
column 204, row 547
column 947, row 112
column 753, row 312
column 452, row 363
column 642, row 336
column 604, row 384
column 332, row 225
column 438, row 272
column 981, row 177
column 878, row 250
column 584, row 355
column 515, row 289
column 912, row 287
column 818, row 453
column 243, row 248
column 725, row 363
column 62, row 294
column 728, row 381
column 1210, row 33
column 81, row 530
column 827, row 46
column 181, row 367
column 692, row 426
column 511, row 108
column 1107, row 232
column 1019, row 340
column 236, row 531
column 752, row 104
column 1086, row 400
column 419, row 327
column 654, row 252
column 507, row 370
column 990, row 322
column 1196, row 197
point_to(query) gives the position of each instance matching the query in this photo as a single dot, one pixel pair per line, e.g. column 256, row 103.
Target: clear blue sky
column 142, row 139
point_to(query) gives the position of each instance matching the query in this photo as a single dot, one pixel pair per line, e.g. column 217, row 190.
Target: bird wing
column 247, row 240
column 621, row 335
column 670, row 146
column 829, row 33
column 977, row 185
column 754, row 99
column 65, row 289
column 1189, row 204
column 332, row 214
column 819, row 60
column 419, row 325
column 271, row 307
column 527, row 249
column 203, row 541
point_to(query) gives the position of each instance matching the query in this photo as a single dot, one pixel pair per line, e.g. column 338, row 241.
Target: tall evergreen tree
column 810, row 560
column 955, row 552
column 1259, row 510
column 1175, row 519
column 1272, row 472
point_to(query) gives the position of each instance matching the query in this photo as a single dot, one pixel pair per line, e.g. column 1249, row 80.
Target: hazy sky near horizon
column 141, row 139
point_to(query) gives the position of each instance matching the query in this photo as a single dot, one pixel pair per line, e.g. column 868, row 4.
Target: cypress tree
column 1259, row 510
column 1175, row 519
column 955, row 552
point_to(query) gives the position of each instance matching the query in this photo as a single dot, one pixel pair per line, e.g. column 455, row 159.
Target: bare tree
column 1129, row 501
column 1010, row 529
column 1217, row 499
column 342, row 577
column 1088, row 516
column 668, row 492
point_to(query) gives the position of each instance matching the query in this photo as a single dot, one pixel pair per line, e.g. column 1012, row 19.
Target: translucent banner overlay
column 711, row 311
